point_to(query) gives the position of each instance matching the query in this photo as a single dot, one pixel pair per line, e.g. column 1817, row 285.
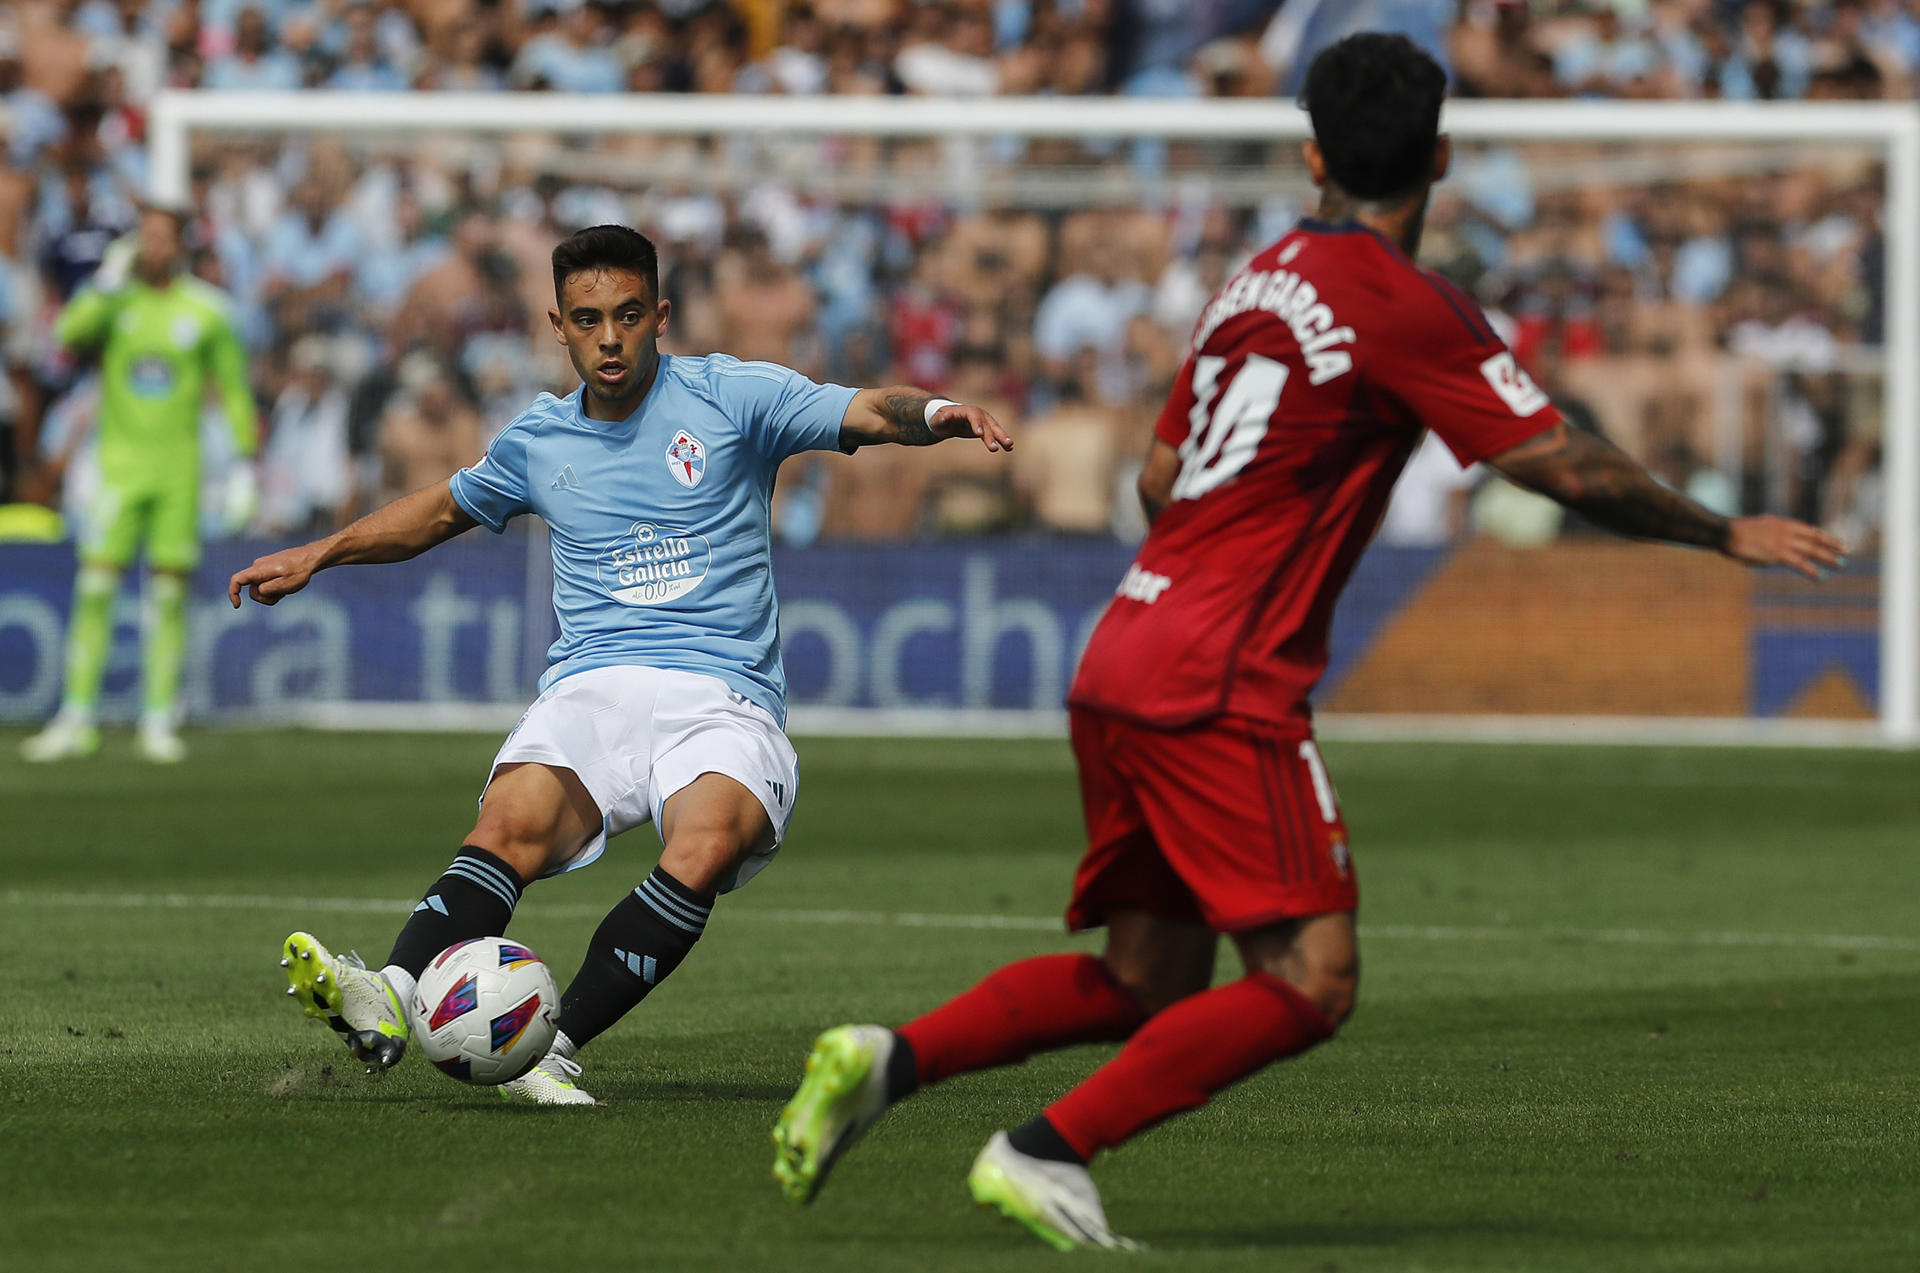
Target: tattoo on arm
column 1601, row 482
column 905, row 411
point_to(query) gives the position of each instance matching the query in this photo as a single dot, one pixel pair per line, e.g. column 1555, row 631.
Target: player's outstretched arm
column 394, row 532
column 1601, row 482
column 899, row 413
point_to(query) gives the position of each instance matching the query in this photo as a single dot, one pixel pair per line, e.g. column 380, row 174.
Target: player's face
column 611, row 325
column 159, row 245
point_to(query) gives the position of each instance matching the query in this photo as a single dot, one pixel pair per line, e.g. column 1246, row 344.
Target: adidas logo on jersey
column 564, row 480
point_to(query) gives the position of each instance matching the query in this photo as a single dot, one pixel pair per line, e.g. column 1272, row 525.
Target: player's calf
column 474, row 897
column 635, row 948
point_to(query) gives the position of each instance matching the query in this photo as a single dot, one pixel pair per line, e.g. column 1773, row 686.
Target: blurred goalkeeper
column 160, row 334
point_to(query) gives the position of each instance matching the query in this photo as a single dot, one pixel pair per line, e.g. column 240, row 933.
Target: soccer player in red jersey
column 1310, row 379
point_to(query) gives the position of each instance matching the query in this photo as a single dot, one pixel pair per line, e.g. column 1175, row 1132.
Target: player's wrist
column 935, row 406
column 1721, row 535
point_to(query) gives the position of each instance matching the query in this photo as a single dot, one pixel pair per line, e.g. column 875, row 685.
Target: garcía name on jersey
column 1295, row 302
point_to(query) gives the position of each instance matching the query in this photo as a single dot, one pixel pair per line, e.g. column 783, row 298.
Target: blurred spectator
column 1066, row 459
column 33, row 118
column 1090, row 309
column 1613, row 57
column 74, row 231
column 924, row 326
column 572, row 57
column 764, row 308
column 949, row 53
column 385, row 274
column 1304, row 27
column 799, row 65
column 456, row 61
column 364, row 67
column 1189, row 282
column 306, row 469
column 126, row 36
column 428, row 429
column 308, row 260
column 254, row 64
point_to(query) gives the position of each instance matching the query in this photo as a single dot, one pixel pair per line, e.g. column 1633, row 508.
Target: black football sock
column 1040, row 1139
column 903, row 1070
column 475, row 898
column 639, row 942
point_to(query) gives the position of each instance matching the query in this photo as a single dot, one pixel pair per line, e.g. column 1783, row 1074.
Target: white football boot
column 1055, row 1201
column 157, row 741
column 844, row 1093
column 550, row 1082
column 66, row 737
column 359, row 1005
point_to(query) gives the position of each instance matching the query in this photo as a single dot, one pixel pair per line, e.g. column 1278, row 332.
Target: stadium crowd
column 1714, row 310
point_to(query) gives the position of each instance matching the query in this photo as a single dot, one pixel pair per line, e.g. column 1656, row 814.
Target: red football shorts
column 1233, row 824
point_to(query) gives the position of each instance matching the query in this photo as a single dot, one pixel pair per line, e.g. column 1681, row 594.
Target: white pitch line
column 1018, row 923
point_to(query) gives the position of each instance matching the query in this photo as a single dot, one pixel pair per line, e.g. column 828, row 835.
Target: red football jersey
column 1311, row 377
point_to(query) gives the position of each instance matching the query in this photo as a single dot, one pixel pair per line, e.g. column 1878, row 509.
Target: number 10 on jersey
column 1223, row 437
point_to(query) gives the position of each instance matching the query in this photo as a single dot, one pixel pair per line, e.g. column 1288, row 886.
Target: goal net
column 1726, row 292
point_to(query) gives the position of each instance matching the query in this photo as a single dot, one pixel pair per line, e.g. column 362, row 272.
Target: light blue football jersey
column 661, row 523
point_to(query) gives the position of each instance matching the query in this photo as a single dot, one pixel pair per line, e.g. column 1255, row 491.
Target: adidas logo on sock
column 432, row 903
column 645, row 967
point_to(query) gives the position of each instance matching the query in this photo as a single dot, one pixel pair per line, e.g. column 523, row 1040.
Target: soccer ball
column 486, row 1010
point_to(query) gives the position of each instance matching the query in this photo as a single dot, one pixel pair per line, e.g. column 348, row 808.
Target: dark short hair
column 606, row 247
column 1375, row 101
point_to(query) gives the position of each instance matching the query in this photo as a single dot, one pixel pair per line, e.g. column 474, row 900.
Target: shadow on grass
column 666, row 1091
column 465, row 1097
column 1355, row 1233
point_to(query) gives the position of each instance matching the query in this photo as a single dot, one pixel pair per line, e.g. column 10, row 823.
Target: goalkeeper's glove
column 242, row 499
column 116, row 264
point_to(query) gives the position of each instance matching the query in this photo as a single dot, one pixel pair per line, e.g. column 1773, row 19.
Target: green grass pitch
column 1649, row 1009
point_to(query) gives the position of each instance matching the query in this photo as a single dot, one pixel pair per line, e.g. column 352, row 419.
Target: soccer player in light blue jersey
column 664, row 699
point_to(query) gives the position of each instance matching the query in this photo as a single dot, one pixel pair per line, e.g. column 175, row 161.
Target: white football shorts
column 637, row 735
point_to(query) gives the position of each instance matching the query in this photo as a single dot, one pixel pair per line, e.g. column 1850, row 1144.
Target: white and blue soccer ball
column 485, row 1011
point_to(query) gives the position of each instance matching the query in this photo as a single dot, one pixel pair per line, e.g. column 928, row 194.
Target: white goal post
column 1892, row 130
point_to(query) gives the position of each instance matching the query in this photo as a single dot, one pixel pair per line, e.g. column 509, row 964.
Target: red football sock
column 1184, row 1055
column 1036, row 1005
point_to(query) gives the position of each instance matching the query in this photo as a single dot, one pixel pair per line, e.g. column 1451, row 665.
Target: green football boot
column 844, row 1091
column 549, row 1082
column 359, row 1005
column 1054, row 1201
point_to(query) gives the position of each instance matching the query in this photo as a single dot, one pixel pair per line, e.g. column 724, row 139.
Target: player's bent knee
column 1334, row 995
column 1319, row 957
column 513, row 841
column 701, row 858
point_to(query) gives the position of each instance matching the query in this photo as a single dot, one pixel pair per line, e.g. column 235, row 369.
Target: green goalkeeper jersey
column 157, row 347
